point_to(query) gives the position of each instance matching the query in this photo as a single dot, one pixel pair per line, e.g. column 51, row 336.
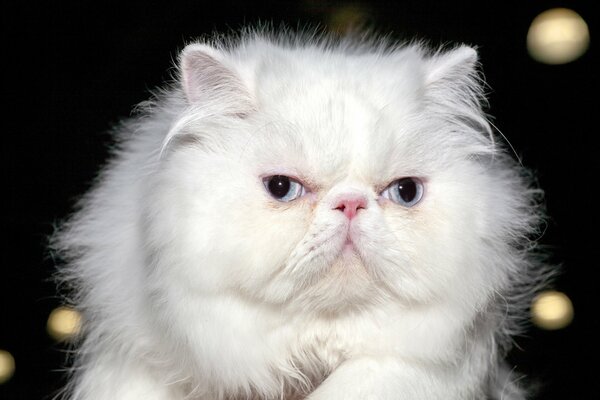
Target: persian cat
column 301, row 217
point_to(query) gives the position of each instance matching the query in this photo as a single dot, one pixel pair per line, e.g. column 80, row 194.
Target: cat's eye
column 405, row 191
column 283, row 188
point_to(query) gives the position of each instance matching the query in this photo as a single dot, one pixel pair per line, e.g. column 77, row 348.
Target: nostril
column 350, row 206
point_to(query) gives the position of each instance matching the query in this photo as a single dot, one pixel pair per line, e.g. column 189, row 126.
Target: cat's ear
column 454, row 90
column 453, row 67
column 206, row 78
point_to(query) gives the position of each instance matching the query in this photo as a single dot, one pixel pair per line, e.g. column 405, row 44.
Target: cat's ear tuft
column 455, row 64
column 206, row 78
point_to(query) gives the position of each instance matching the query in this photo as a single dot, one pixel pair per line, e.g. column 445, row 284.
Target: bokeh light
column 64, row 323
column 558, row 36
column 348, row 17
column 7, row 366
column 552, row 310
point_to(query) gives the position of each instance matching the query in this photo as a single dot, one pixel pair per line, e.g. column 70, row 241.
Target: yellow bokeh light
column 7, row 366
column 558, row 36
column 552, row 310
column 64, row 323
column 349, row 17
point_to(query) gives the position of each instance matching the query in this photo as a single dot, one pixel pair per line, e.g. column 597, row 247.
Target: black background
column 71, row 71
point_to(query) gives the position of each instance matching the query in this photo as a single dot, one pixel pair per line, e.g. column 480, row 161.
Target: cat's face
column 329, row 196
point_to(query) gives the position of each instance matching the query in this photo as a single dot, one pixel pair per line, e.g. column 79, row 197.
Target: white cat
column 304, row 218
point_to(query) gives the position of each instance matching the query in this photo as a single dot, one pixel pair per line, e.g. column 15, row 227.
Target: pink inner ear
column 206, row 79
column 199, row 74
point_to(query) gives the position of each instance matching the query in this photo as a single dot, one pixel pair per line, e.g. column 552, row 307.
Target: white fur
column 194, row 283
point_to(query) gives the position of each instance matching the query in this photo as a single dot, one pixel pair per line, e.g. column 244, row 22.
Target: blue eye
column 283, row 188
column 405, row 191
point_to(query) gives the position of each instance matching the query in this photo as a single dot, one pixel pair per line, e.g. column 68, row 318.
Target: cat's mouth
column 349, row 245
column 349, row 255
column 348, row 241
column 344, row 283
column 332, row 273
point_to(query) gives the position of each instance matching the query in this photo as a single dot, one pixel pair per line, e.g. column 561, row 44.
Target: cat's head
column 333, row 177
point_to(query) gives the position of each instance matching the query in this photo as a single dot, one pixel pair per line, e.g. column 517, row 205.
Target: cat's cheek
column 401, row 248
column 446, row 260
column 220, row 237
column 265, row 234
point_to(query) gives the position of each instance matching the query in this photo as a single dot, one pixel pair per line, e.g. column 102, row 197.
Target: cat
column 297, row 216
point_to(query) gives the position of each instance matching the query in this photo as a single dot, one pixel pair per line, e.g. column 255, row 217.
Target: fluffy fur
column 195, row 283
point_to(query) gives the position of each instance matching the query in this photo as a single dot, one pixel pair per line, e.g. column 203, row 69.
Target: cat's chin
column 345, row 286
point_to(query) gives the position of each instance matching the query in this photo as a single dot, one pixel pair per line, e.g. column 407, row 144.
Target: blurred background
column 73, row 70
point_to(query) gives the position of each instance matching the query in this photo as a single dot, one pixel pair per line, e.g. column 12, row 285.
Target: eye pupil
column 407, row 189
column 279, row 186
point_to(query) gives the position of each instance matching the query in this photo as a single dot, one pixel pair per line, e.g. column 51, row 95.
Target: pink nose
column 350, row 205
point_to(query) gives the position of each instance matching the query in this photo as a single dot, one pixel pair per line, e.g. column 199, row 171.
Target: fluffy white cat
column 304, row 218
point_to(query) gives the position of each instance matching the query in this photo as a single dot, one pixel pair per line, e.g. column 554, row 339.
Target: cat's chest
column 321, row 346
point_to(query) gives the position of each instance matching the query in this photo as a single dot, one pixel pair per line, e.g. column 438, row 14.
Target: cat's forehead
column 323, row 78
column 344, row 114
column 341, row 136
